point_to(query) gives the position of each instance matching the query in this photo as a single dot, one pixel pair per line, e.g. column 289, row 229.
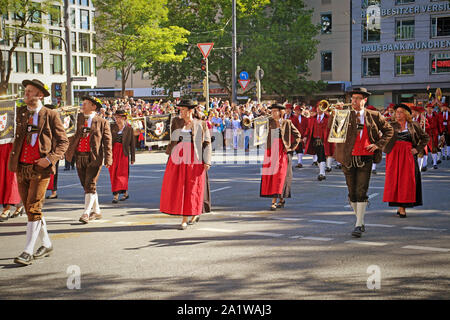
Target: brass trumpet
column 246, row 122
column 324, row 106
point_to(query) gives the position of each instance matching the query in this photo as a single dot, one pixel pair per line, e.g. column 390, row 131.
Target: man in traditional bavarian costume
column 39, row 143
column 361, row 148
column 91, row 146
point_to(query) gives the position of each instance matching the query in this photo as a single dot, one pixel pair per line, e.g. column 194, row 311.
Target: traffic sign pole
column 207, row 86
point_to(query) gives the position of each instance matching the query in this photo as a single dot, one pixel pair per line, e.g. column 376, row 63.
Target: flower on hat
column 97, row 100
column 46, row 87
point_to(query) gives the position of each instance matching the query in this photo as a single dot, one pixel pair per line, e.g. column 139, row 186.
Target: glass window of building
column 371, row 30
column 367, row 3
column 84, row 3
column 404, row 65
column 440, row 62
column 56, row 64
column 326, row 61
column 85, row 66
column 118, row 74
column 404, row 1
column 55, row 16
column 73, row 41
column 74, row 66
column 56, row 43
column 36, row 42
column 36, row 63
column 371, row 66
column 440, row 27
column 35, row 9
column 326, row 23
column 94, row 61
column 84, row 19
column 405, row 29
column 20, row 62
column 22, row 41
column 84, row 42
column 73, row 21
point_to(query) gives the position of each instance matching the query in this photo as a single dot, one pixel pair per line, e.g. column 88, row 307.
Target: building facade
column 44, row 58
column 399, row 47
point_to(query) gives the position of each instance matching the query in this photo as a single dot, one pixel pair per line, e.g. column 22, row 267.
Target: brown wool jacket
column 201, row 137
column 100, row 141
column 419, row 137
column 52, row 137
column 128, row 140
column 289, row 134
column 375, row 123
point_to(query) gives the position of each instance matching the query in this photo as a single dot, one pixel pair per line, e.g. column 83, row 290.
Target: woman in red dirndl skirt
column 183, row 187
column 403, row 185
column 123, row 149
column 276, row 178
column 9, row 192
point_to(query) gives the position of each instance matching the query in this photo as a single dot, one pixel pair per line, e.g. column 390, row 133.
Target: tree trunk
column 124, row 81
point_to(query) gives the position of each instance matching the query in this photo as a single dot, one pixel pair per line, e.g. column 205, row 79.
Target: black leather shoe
column 338, row 166
column 115, row 201
column 42, row 252
column 24, row 259
column 321, row 177
column 327, row 169
column 424, row 169
column 439, row 162
column 374, row 171
column 363, row 228
column 281, row 204
column 52, row 197
column 315, row 164
column 435, row 167
column 401, row 215
column 124, row 197
column 357, row 232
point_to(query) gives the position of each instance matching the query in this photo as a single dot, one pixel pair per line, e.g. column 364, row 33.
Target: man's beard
column 32, row 102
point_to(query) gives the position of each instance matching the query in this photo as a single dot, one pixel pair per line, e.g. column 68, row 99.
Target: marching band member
column 183, row 186
column 403, row 186
column 283, row 138
column 389, row 114
column 39, row 143
column 444, row 121
column 123, row 151
column 301, row 123
column 433, row 133
column 361, row 148
column 91, row 146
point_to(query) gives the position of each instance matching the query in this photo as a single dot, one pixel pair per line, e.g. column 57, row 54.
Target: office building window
column 371, row 29
column 404, row 65
column 85, row 66
column 371, row 66
column 118, row 74
column 84, row 42
column 440, row 62
column 74, row 66
column 404, row 1
column 84, row 3
column 22, row 41
column 405, row 29
column 94, row 61
column 440, row 26
column 84, row 19
column 367, row 3
column 73, row 41
column 36, row 42
column 37, row 15
column 56, row 64
column 73, row 21
column 326, row 23
column 326, row 61
column 56, row 43
column 36, row 63
column 20, row 62
column 55, row 16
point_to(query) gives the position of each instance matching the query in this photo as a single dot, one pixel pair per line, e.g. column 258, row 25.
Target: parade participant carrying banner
column 7, row 121
column 261, row 126
column 158, row 128
column 69, row 119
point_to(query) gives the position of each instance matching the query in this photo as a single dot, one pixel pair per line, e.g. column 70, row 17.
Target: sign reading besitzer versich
column 7, row 121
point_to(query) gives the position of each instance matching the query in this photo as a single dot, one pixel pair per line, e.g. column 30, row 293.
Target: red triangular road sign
column 205, row 48
column 244, row 83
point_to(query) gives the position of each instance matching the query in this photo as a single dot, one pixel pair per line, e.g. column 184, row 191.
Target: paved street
column 239, row 251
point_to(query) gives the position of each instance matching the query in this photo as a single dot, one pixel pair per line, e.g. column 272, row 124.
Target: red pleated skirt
column 274, row 170
column 9, row 192
column 118, row 172
column 183, row 184
column 52, row 181
column 400, row 182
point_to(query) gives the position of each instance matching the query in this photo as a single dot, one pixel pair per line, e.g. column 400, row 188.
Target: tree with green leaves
column 277, row 35
column 29, row 16
column 134, row 34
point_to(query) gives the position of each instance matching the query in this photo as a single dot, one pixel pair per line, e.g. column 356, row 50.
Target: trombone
column 324, row 106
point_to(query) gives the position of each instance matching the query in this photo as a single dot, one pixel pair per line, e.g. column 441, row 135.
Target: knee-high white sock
column 33, row 229
column 300, row 157
column 425, row 160
column 322, row 168
column 439, row 154
column 96, row 204
column 360, row 212
column 448, row 151
column 353, row 205
column 315, row 158
column 329, row 160
column 89, row 199
column 43, row 234
column 434, row 156
column 374, row 166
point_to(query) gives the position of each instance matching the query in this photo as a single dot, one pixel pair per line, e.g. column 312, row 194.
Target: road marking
column 264, row 234
column 285, row 219
column 69, row 185
column 426, row 248
column 380, row 225
column 295, row 237
column 423, row 229
column 368, row 243
column 123, row 222
column 328, row 221
column 316, row 238
column 100, row 221
column 217, row 230
column 65, row 235
column 220, row 189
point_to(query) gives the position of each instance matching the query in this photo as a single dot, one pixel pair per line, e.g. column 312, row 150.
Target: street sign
column 244, row 83
column 205, row 48
column 243, row 75
column 259, row 74
column 79, row 78
column 176, row 94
